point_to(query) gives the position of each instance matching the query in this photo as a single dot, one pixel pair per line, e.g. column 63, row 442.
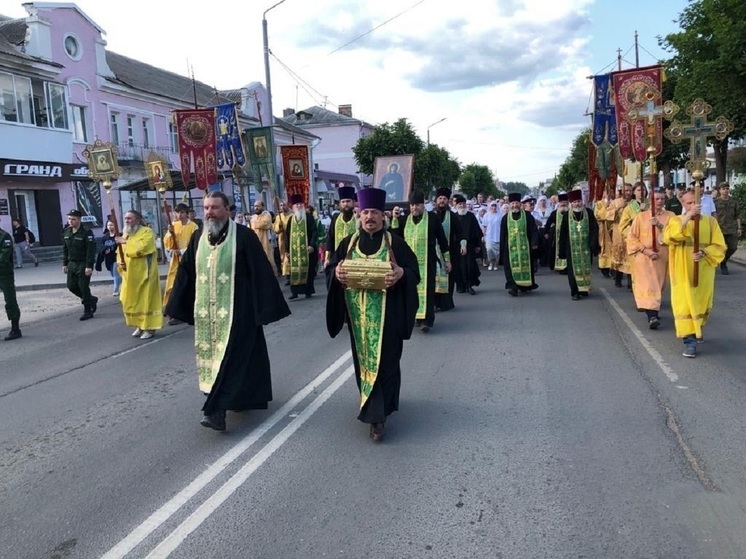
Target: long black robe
column 444, row 301
column 331, row 245
column 435, row 234
column 469, row 272
column 532, row 235
column 244, row 380
column 312, row 235
column 398, row 322
column 564, row 244
column 550, row 244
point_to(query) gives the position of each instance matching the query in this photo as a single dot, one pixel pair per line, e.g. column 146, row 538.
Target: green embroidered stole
column 416, row 236
column 441, row 276
column 343, row 229
column 559, row 263
column 367, row 308
column 298, row 252
column 581, row 253
column 518, row 250
column 213, row 305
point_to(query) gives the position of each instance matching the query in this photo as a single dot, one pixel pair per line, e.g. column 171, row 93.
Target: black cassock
column 435, row 235
column 468, row 270
column 244, row 380
column 564, row 243
column 550, row 244
column 312, row 235
column 398, row 322
column 331, row 245
column 532, row 235
column 444, row 301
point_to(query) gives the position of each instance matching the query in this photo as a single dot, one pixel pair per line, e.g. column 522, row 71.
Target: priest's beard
column 130, row 229
column 563, row 209
column 462, row 211
column 300, row 215
column 515, row 212
column 577, row 211
column 215, row 226
column 347, row 213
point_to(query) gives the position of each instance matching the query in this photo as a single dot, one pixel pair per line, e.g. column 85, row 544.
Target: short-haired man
column 8, row 286
column 729, row 219
column 78, row 258
column 22, row 243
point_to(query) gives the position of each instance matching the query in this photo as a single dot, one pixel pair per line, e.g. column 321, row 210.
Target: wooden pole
column 113, row 217
column 697, row 176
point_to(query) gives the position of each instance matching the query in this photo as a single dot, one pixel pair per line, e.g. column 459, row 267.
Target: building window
column 114, row 129
column 16, row 100
column 57, row 106
column 72, row 47
column 130, row 130
column 145, row 133
column 173, row 137
column 80, row 133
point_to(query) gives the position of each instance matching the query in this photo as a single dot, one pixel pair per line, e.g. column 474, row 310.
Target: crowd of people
column 387, row 270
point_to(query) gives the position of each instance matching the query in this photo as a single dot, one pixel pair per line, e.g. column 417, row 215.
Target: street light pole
column 433, row 124
column 272, row 193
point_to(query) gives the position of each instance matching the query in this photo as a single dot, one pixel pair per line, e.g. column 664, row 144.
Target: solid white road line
column 657, row 357
column 175, row 539
column 154, row 521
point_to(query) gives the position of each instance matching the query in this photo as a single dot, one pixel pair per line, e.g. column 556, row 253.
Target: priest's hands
column 449, row 267
column 650, row 253
column 463, row 251
column 393, row 276
column 341, row 273
column 310, row 249
column 699, row 255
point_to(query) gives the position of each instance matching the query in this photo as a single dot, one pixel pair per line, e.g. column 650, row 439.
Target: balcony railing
column 132, row 152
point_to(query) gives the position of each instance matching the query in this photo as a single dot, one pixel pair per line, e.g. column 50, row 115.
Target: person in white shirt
column 491, row 230
column 708, row 204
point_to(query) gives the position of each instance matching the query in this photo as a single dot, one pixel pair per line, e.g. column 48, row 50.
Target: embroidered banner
column 229, row 146
column 196, row 132
column 604, row 115
column 630, row 91
column 259, row 144
column 295, row 168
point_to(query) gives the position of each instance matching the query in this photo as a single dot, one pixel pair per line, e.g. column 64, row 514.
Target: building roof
column 12, row 37
column 318, row 116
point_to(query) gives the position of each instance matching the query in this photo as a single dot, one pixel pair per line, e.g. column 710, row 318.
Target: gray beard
column 563, row 209
column 300, row 215
column 130, row 229
column 515, row 211
column 462, row 211
column 214, row 226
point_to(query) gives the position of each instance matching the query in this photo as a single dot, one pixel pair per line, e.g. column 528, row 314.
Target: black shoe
column 471, row 291
column 173, row 321
column 618, row 284
column 287, row 282
column 425, row 329
column 214, row 421
column 292, row 297
column 605, row 273
column 309, row 295
column 94, row 305
column 513, row 292
column 584, row 294
column 13, row 335
column 461, row 291
column 377, row 432
column 575, row 297
column 87, row 315
column 724, row 269
column 653, row 323
column 36, row 264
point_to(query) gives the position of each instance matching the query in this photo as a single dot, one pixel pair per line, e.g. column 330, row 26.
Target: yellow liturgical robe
column 177, row 244
column 261, row 224
column 605, row 223
column 141, row 284
column 619, row 259
column 281, row 227
column 650, row 275
column 691, row 305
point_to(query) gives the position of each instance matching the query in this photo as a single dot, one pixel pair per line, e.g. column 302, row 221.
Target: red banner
column 630, row 89
column 196, row 131
column 296, row 169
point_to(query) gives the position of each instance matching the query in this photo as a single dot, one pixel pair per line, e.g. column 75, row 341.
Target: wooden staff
column 697, row 200
column 651, row 194
column 113, row 218
column 174, row 245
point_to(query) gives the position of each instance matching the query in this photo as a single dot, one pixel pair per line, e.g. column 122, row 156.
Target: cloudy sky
column 509, row 76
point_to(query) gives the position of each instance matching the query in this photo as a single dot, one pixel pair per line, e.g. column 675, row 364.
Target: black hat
column 75, row 213
column 514, row 197
column 346, row 193
column 459, row 199
column 443, row 192
column 416, row 197
column 670, row 186
column 562, row 197
column 575, row 195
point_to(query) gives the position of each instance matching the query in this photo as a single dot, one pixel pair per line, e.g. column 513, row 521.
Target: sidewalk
column 48, row 275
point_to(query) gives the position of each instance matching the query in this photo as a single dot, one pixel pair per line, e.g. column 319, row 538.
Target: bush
column 739, row 193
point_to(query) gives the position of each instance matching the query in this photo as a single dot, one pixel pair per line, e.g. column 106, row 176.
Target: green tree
column 575, row 167
column 432, row 164
column 708, row 60
column 520, row 187
column 475, row 179
column 737, row 160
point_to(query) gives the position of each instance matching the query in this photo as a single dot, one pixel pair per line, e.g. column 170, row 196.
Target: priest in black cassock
column 226, row 288
column 303, row 248
column 518, row 238
column 470, row 249
column 344, row 223
column 578, row 244
column 378, row 320
column 446, row 282
column 423, row 233
column 551, row 234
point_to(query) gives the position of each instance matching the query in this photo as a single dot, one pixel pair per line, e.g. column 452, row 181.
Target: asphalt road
column 529, row 427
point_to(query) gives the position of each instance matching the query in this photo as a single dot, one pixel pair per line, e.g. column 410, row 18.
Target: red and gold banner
column 296, row 169
column 196, row 131
column 631, row 88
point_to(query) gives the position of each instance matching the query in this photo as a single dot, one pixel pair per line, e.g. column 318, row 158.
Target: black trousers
column 8, row 287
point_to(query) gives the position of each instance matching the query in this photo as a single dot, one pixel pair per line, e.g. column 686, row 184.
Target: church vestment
column 341, row 227
column 261, row 224
column 178, row 244
column 650, row 275
column 445, row 282
column 604, row 234
column 578, row 245
column 468, row 272
column 140, row 294
column 518, row 234
column 301, row 235
column 226, row 287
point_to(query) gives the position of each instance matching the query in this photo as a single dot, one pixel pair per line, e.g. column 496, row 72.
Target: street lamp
column 433, row 124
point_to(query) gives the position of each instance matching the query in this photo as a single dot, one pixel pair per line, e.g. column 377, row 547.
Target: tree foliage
column 575, row 167
column 520, row 187
column 475, row 179
column 737, row 160
column 708, row 61
column 433, row 165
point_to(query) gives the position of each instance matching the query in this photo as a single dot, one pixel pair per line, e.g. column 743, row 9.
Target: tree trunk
column 665, row 168
column 720, row 153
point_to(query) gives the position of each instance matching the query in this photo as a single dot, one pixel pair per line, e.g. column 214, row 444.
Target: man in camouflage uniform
column 729, row 219
column 8, row 286
column 78, row 258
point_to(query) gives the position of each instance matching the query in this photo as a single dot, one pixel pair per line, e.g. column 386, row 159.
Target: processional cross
column 698, row 130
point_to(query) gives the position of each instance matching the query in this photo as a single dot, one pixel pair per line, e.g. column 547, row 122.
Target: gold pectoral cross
column 211, row 259
column 579, row 226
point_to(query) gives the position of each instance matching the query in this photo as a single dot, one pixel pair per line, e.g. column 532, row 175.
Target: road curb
column 43, row 286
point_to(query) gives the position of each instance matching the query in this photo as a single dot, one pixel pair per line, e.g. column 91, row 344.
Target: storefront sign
column 4, row 206
column 19, row 170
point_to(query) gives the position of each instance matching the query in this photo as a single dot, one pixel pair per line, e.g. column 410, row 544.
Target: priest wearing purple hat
column 518, row 238
column 303, row 249
column 423, row 233
column 344, row 223
column 379, row 320
column 551, row 234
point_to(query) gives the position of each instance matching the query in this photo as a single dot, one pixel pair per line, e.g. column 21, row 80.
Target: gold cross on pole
column 699, row 129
